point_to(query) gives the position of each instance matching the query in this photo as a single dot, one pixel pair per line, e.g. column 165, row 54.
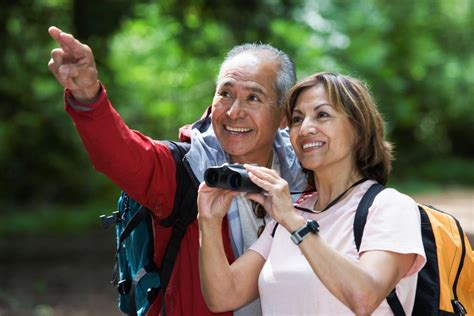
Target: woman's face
column 322, row 137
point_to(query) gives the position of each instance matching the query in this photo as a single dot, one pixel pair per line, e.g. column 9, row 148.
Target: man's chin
column 236, row 150
column 237, row 142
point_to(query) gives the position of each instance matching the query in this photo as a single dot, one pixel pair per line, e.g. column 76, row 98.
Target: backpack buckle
column 107, row 221
column 152, row 293
column 123, row 287
column 458, row 308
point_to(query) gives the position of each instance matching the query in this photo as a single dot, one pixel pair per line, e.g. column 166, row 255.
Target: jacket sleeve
column 139, row 165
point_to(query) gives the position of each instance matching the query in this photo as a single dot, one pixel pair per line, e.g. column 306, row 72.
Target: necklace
column 333, row 202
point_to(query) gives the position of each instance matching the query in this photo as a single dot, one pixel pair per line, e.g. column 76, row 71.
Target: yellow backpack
column 446, row 283
column 455, row 261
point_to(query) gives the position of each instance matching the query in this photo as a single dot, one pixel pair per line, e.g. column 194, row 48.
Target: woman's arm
column 225, row 287
column 362, row 285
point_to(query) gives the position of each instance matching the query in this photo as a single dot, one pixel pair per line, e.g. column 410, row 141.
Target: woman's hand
column 224, row 288
column 213, row 203
column 276, row 199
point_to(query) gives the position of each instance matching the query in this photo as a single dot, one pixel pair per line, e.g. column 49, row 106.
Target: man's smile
column 239, row 130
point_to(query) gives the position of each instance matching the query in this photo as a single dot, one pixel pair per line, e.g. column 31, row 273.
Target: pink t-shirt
column 287, row 284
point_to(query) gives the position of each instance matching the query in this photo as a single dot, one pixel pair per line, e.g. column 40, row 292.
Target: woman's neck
column 330, row 186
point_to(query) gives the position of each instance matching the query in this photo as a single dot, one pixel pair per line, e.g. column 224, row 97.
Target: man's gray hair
column 286, row 76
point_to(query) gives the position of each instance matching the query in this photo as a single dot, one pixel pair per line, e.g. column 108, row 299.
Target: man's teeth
column 238, row 129
column 315, row 144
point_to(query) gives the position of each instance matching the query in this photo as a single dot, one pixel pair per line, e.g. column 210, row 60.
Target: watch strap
column 311, row 227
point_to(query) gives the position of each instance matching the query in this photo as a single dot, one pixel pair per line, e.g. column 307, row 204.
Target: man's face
column 245, row 114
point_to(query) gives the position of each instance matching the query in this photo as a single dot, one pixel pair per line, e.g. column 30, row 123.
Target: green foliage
column 447, row 172
column 159, row 62
column 53, row 218
column 418, row 60
column 162, row 84
column 30, row 134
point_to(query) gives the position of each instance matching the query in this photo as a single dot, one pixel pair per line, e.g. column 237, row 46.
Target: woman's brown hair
column 372, row 153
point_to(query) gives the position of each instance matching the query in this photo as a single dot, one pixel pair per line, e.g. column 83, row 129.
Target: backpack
column 138, row 279
column 135, row 275
column 446, row 283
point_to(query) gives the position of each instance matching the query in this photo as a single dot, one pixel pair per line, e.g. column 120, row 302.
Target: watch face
column 313, row 226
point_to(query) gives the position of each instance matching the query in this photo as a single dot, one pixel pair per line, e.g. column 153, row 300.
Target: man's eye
column 224, row 94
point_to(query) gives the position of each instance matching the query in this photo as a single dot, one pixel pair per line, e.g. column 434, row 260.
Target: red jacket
column 145, row 169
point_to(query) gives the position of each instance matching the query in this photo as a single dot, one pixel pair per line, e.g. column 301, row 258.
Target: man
column 244, row 127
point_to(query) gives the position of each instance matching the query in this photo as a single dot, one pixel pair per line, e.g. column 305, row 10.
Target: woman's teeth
column 315, row 144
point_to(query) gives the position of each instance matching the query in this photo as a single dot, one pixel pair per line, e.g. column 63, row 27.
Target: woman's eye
column 296, row 120
column 253, row 98
column 322, row 114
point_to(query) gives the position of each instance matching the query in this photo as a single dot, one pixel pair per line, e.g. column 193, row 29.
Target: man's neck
column 265, row 161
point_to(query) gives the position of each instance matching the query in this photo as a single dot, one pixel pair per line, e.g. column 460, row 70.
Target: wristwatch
column 311, row 227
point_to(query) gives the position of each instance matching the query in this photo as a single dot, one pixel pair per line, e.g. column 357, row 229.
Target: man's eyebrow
column 226, row 83
column 252, row 88
column 255, row 89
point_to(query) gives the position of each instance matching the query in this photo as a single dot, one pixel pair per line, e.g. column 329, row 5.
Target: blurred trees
column 418, row 58
column 40, row 157
column 159, row 63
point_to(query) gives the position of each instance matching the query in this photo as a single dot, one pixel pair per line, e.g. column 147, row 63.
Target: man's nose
column 236, row 110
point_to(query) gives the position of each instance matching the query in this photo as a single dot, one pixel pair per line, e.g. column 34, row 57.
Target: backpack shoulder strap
column 136, row 219
column 363, row 210
column 359, row 223
column 184, row 212
column 178, row 150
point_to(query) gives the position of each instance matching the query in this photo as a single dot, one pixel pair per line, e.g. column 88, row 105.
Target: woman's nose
column 308, row 128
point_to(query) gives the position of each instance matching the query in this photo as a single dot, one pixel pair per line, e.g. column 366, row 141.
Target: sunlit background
column 159, row 62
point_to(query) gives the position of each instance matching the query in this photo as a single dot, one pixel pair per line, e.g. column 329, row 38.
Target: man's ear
column 283, row 120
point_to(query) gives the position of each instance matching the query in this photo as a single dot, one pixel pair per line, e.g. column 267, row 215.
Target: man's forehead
column 252, row 61
column 249, row 68
column 246, row 58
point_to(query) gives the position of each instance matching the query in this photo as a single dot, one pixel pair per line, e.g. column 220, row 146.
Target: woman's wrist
column 209, row 223
column 293, row 221
column 210, row 234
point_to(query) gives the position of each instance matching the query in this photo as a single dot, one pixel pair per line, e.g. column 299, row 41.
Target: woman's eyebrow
column 317, row 107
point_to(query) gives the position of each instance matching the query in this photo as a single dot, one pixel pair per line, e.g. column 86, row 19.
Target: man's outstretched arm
column 142, row 167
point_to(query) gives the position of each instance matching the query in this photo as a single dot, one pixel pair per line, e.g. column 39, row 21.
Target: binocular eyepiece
column 230, row 176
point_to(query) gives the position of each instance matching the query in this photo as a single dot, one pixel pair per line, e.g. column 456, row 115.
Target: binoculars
column 230, row 176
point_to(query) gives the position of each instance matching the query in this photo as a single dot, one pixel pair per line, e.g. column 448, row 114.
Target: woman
column 337, row 133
